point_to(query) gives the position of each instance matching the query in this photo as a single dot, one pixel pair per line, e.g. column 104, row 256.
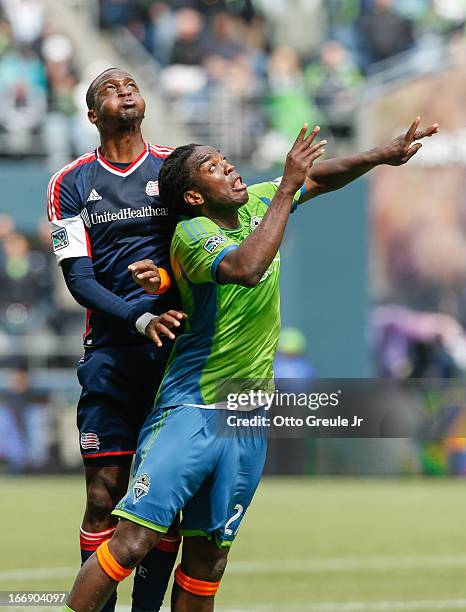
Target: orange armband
column 165, row 282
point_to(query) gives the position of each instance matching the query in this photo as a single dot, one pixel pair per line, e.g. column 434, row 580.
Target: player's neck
column 122, row 148
column 227, row 219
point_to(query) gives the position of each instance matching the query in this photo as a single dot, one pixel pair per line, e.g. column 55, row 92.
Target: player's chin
column 130, row 115
column 240, row 197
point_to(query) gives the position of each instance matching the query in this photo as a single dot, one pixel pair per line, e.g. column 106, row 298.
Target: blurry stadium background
column 373, row 280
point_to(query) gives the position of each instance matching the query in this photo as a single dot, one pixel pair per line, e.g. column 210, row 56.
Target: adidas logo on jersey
column 93, row 196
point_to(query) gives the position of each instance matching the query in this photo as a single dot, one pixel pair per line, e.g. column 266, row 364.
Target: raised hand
column 400, row 150
column 299, row 160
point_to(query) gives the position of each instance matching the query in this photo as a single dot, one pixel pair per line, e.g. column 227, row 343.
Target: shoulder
column 260, row 196
column 264, row 190
column 74, row 167
column 190, row 231
column 160, row 152
column 62, row 185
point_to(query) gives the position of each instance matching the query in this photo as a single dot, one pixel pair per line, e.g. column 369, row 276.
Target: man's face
column 216, row 179
column 117, row 100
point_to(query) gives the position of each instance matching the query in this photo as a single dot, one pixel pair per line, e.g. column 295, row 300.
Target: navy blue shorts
column 189, row 460
column 119, row 384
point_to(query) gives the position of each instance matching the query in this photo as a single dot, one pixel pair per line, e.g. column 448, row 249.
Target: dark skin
column 201, row 560
column 118, row 113
column 333, row 174
column 218, row 192
column 323, row 177
column 130, row 543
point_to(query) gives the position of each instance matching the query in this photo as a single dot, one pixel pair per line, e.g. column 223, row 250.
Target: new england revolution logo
column 141, row 487
column 152, row 188
column 90, row 441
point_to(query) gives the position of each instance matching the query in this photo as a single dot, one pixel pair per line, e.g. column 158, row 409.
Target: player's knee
column 131, row 543
column 99, row 503
column 203, row 560
column 105, row 488
column 216, row 568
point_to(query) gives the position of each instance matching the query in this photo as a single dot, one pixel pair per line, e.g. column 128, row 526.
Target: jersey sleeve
column 198, row 247
column 64, row 206
column 266, row 191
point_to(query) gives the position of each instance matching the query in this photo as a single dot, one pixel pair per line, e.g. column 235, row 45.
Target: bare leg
column 105, row 486
column 201, row 560
column 129, row 545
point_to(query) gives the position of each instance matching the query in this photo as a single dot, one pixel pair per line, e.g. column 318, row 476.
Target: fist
column 146, row 274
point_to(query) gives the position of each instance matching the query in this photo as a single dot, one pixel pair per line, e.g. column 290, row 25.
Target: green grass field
column 325, row 545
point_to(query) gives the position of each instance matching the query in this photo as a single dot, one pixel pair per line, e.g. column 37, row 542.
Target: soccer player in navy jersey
column 105, row 213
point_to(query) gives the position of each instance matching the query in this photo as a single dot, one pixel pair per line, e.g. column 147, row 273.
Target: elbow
column 244, row 278
column 249, row 278
column 250, row 281
column 248, row 275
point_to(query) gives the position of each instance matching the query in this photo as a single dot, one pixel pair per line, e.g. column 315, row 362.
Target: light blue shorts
column 190, row 460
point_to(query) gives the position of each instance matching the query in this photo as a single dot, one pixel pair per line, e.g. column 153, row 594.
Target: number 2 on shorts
column 239, row 511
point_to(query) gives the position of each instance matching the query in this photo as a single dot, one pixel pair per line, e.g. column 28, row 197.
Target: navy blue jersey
column 114, row 216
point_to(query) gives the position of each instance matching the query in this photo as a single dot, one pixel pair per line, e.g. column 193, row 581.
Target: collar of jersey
column 123, row 171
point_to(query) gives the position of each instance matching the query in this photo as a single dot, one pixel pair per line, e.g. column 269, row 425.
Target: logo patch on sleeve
column 59, row 239
column 213, row 243
column 141, row 487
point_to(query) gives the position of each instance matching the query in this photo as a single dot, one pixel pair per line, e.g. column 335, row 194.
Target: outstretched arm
column 333, row 174
column 247, row 264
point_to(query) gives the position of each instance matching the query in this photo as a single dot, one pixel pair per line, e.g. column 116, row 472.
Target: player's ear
column 92, row 116
column 193, row 198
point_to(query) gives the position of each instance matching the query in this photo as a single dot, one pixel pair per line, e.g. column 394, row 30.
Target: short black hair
column 91, row 92
column 176, row 177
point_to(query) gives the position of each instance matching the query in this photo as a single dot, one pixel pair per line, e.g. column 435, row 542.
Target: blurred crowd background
column 243, row 75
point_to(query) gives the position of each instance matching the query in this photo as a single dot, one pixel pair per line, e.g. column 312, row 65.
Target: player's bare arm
column 247, row 264
column 332, row 174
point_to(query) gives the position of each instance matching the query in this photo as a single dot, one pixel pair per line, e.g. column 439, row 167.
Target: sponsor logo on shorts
column 255, row 222
column 152, row 188
column 213, row 243
column 141, row 487
column 59, row 239
column 90, row 441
